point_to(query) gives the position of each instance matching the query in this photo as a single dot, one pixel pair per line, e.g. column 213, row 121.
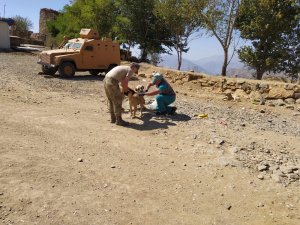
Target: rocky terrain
column 221, row 159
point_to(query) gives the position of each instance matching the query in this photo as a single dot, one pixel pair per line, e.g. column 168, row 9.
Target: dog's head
column 139, row 88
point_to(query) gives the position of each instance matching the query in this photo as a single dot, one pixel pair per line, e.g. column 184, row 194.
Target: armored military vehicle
column 86, row 53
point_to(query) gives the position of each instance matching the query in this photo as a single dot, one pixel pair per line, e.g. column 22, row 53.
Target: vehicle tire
column 49, row 70
column 94, row 72
column 67, row 70
column 111, row 66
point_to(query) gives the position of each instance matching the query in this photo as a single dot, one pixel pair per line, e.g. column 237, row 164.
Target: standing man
column 165, row 95
column 118, row 75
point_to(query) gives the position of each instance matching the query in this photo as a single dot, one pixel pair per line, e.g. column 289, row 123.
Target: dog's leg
column 130, row 108
column 141, row 109
column 134, row 110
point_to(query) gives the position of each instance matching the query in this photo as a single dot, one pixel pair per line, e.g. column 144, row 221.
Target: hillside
column 218, row 160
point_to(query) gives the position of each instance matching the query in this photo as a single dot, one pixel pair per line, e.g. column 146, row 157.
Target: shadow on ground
column 76, row 77
column 152, row 122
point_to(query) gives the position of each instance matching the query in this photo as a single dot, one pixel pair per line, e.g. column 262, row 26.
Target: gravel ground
column 238, row 147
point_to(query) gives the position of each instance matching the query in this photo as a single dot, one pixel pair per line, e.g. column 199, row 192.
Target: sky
column 199, row 48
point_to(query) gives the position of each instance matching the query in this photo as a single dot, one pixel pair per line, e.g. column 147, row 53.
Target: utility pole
column 4, row 10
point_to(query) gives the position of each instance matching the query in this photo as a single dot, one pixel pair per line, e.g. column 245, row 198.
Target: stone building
column 46, row 15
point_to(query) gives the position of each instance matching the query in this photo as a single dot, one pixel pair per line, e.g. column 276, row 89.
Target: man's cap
column 156, row 77
column 136, row 65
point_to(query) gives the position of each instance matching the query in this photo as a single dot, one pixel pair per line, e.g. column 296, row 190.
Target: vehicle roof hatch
column 89, row 33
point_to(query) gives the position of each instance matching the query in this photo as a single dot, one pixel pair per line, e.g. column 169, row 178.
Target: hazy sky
column 199, row 48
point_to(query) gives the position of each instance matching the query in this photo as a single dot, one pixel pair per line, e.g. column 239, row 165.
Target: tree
column 139, row 25
column 181, row 17
column 289, row 61
column 219, row 18
column 22, row 24
column 97, row 14
column 270, row 25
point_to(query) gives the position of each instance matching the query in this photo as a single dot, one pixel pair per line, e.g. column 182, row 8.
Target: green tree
column 181, row 17
column 22, row 23
column 97, row 14
column 269, row 24
column 138, row 24
column 219, row 18
column 289, row 61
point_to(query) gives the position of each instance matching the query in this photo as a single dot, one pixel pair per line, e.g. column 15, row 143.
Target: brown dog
column 135, row 99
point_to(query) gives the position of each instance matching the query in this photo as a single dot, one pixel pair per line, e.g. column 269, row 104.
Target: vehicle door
column 89, row 57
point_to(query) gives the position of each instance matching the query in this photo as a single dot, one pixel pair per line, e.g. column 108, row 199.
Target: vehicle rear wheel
column 67, row 70
column 49, row 70
column 94, row 72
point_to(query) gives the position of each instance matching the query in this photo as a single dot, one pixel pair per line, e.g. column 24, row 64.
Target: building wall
column 4, row 35
column 46, row 15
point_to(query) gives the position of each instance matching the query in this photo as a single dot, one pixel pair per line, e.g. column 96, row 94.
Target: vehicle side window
column 89, row 48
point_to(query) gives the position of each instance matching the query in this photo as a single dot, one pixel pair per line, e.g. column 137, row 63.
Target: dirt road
column 63, row 162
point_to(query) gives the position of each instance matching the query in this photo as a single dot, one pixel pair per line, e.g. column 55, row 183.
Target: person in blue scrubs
column 165, row 95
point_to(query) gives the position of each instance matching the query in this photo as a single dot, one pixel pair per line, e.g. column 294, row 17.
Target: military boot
column 121, row 122
column 112, row 118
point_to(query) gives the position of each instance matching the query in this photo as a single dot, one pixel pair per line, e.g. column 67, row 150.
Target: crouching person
column 165, row 95
column 118, row 75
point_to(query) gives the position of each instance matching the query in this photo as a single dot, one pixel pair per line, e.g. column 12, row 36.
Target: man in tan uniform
column 118, row 75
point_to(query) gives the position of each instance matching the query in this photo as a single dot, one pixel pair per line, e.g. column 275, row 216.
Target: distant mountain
column 170, row 61
column 209, row 65
column 213, row 65
column 244, row 73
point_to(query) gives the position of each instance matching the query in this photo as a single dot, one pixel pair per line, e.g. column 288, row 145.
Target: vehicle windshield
column 73, row 45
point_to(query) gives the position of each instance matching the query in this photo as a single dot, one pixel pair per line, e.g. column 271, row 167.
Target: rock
column 277, row 177
column 255, row 96
column 227, row 206
column 293, row 177
column 260, row 205
column 287, row 169
column 279, row 93
column 262, row 167
column 79, row 160
column 297, row 95
column 273, row 168
column 290, row 101
column 279, row 102
column 271, row 104
column 260, row 176
column 290, row 107
column 289, row 86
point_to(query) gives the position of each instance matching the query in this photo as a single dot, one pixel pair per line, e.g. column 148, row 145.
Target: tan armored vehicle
column 87, row 53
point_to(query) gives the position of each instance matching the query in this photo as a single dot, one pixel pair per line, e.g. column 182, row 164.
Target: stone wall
column 237, row 89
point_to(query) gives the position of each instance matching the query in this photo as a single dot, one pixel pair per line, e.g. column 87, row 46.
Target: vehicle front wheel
column 49, row 70
column 67, row 70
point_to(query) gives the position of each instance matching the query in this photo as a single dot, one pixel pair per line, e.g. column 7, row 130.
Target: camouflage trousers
column 114, row 95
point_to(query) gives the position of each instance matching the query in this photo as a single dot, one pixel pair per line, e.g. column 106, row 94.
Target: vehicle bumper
column 45, row 64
